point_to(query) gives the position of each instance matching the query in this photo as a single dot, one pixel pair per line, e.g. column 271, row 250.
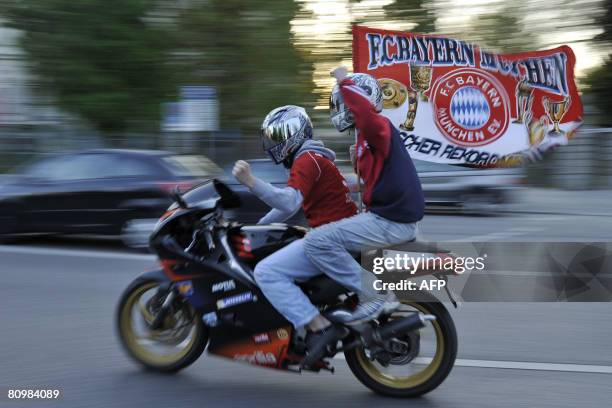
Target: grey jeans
column 325, row 250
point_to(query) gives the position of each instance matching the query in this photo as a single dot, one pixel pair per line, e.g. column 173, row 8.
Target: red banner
column 454, row 102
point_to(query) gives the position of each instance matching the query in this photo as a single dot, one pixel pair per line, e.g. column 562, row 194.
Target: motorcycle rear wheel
column 436, row 368
column 185, row 338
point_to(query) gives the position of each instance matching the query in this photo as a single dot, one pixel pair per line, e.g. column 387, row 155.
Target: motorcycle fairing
column 221, row 260
column 226, row 295
column 266, row 348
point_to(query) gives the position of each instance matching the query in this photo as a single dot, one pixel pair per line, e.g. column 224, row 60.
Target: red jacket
column 392, row 188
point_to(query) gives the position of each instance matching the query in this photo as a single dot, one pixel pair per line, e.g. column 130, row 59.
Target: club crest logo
column 470, row 107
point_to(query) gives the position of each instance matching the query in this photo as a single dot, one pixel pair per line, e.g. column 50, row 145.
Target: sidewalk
column 554, row 201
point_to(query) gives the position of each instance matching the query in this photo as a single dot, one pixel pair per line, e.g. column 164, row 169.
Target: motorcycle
column 204, row 296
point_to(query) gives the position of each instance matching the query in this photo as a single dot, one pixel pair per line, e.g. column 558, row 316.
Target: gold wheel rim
column 410, row 381
column 131, row 339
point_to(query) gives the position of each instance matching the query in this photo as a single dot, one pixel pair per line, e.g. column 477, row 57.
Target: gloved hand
column 242, row 172
column 339, row 73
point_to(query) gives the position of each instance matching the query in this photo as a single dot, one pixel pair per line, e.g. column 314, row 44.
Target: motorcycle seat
column 322, row 289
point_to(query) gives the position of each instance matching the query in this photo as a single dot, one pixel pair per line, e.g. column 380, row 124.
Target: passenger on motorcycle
column 392, row 193
column 315, row 185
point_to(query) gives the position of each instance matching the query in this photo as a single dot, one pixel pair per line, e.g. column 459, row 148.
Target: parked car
column 471, row 190
column 101, row 192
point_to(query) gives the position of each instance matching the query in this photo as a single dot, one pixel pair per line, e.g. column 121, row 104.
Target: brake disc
column 413, row 341
column 176, row 325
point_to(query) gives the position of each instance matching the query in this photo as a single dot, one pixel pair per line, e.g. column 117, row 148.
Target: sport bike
column 204, row 297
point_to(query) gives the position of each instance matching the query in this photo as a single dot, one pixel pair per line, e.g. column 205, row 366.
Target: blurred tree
column 418, row 12
column 100, row 59
column 604, row 20
column 245, row 49
column 599, row 80
column 499, row 28
column 503, row 30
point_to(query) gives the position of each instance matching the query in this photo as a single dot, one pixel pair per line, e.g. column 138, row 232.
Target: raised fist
column 242, row 172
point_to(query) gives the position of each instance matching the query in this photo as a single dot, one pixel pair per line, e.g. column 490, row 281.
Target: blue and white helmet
column 284, row 130
column 341, row 117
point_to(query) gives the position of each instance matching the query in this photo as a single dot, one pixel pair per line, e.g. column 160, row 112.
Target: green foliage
column 604, row 20
column 599, row 86
column 100, row 59
column 599, row 80
column 244, row 48
column 503, row 31
column 414, row 11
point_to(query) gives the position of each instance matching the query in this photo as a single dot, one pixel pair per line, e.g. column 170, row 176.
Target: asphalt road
column 57, row 300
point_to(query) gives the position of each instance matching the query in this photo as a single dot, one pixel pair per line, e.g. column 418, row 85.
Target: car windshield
column 42, row 168
column 192, row 166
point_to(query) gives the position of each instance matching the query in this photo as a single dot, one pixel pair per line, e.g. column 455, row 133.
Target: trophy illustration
column 555, row 111
column 536, row 129
column 420, row 77
column 412, row 109
column 541, row 141
column 524, row 100
column 394, row 95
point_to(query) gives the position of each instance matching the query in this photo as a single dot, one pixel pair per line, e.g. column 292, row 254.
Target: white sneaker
column 391, row 303
column 366, row 310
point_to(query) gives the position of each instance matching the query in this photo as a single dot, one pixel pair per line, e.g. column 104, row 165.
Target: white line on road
column 520, row 365
column 503, row 234
column 33, row 250
column 525, row 365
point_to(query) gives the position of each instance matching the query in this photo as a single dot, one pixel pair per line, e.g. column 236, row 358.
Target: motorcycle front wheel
column 179, row 341
column 431, row 355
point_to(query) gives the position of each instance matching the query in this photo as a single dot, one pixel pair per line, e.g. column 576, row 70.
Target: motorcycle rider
column 392, row 192
column 315, row 185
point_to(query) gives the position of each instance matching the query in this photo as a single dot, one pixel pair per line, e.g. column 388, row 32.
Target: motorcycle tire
column 167, row 364
column 421, row 383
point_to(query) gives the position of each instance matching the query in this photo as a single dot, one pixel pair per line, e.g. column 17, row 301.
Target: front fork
column 165, row 307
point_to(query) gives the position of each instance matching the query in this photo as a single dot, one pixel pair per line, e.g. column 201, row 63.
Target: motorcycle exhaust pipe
column 401, row 326
column 394, row 329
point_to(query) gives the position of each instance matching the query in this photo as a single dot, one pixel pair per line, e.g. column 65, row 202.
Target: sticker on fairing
column 185, row 288
column 235, row 300
column 224, row 286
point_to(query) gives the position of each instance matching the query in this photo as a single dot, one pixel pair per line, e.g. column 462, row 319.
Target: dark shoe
column 317, row 343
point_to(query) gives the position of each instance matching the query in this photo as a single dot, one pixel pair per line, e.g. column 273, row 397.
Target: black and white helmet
column 284, row 130
column 368, row 86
